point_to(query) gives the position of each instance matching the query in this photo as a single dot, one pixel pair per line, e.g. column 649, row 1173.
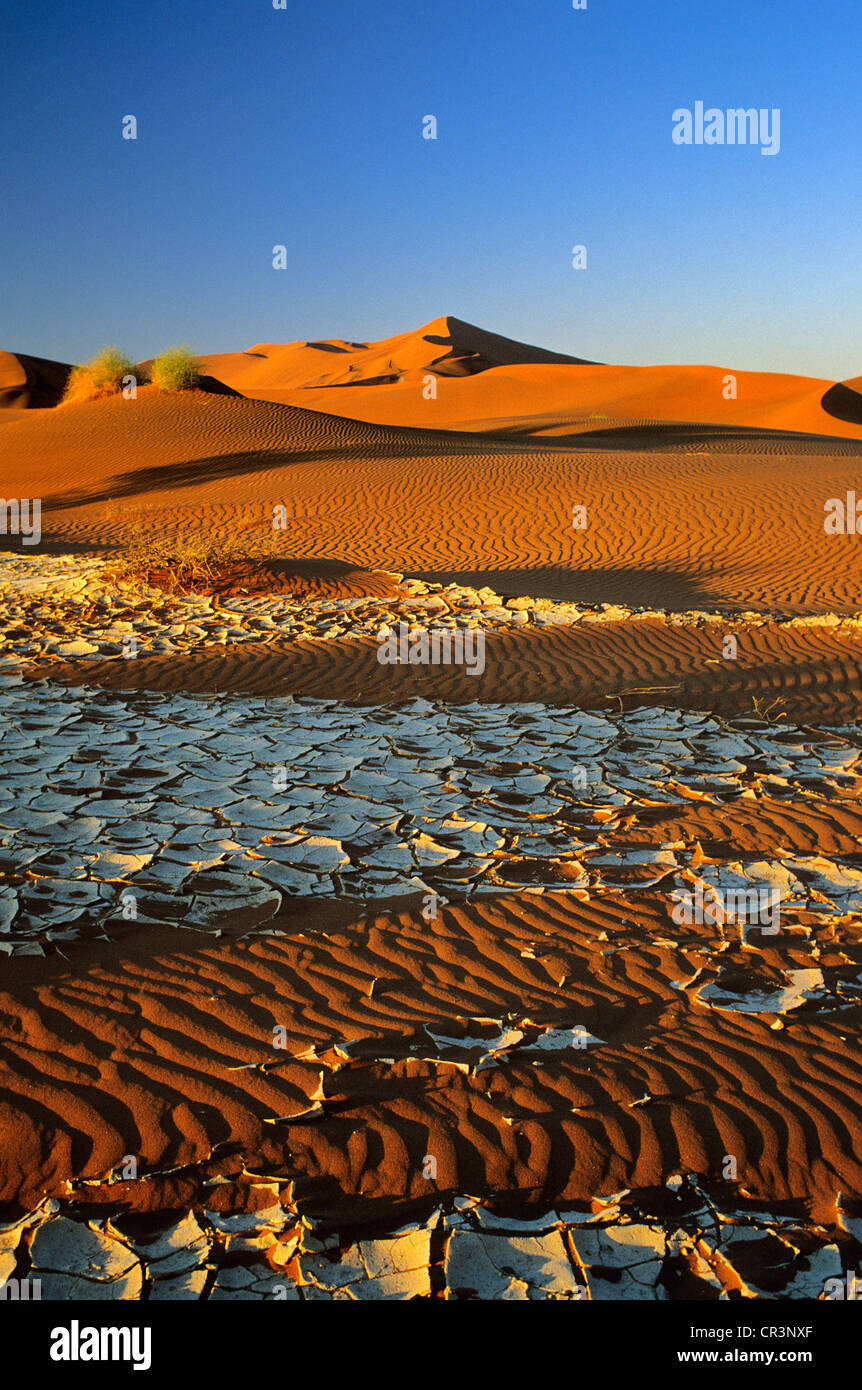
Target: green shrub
column 103, row 376
column 176, row 370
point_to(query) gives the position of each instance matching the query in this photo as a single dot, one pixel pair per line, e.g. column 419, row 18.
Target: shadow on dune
column 645, row 586
column 212, row 468
column 216, row 387
column 192, row 473
column 388, row 379
column 45, row 382
column 198, row 471
column 662, row 436
column 379, row 443
column 843, row 403
column 13, row 545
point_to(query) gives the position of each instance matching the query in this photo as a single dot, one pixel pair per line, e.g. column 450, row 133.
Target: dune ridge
column 450, row 374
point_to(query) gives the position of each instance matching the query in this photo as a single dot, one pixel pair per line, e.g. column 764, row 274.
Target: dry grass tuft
column 103, row 376
column 176, row 370
column 189, row 563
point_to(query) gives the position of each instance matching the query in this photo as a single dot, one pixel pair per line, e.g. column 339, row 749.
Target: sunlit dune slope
column 696, row 522
column 451, row 375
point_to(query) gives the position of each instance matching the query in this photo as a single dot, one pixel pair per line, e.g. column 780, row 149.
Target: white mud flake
column 509, row 1267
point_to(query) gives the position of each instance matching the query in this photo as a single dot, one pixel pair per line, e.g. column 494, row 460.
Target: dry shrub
column 190, row 562
column 176, row 370
column 103, row 376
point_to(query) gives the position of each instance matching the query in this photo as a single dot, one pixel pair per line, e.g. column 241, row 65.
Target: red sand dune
column 28, row 383
column 700, row 522
column 487, row 383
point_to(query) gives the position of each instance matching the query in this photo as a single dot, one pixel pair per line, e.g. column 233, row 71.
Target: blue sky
column 303, row 127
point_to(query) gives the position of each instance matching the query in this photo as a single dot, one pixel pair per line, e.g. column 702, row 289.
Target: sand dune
column 696, row 523
column 450, row 374
column 28, row 383
column 486, row 383
column 565, row 401
column 449, row 346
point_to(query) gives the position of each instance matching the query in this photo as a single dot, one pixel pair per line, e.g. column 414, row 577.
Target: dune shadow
column 314, row 568
column 843, row 403
column 211, row 468
column 409, row 445
column 13, row 545
column 663, row 436
column 647, row 586
column 387, row 379
column 214, row 387
column 189, row 473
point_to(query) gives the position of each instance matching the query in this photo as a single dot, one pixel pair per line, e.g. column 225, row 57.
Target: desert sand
column 459, row 905
column 488, row 384
column 746, row 532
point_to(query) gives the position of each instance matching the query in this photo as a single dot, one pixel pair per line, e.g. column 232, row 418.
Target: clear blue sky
column 303, row 126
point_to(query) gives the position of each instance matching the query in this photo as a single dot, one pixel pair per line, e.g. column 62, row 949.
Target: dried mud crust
column 551, row 1037
column 217, row 814
column 684, row 1241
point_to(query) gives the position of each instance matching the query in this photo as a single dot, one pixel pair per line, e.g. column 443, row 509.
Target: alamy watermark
column 850, row 1288
column 736, row 126
column 711, row 906
column 21, row 1290
column 21, row 518
column 843, row 516
column 439, row 647
column 77, row 1343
